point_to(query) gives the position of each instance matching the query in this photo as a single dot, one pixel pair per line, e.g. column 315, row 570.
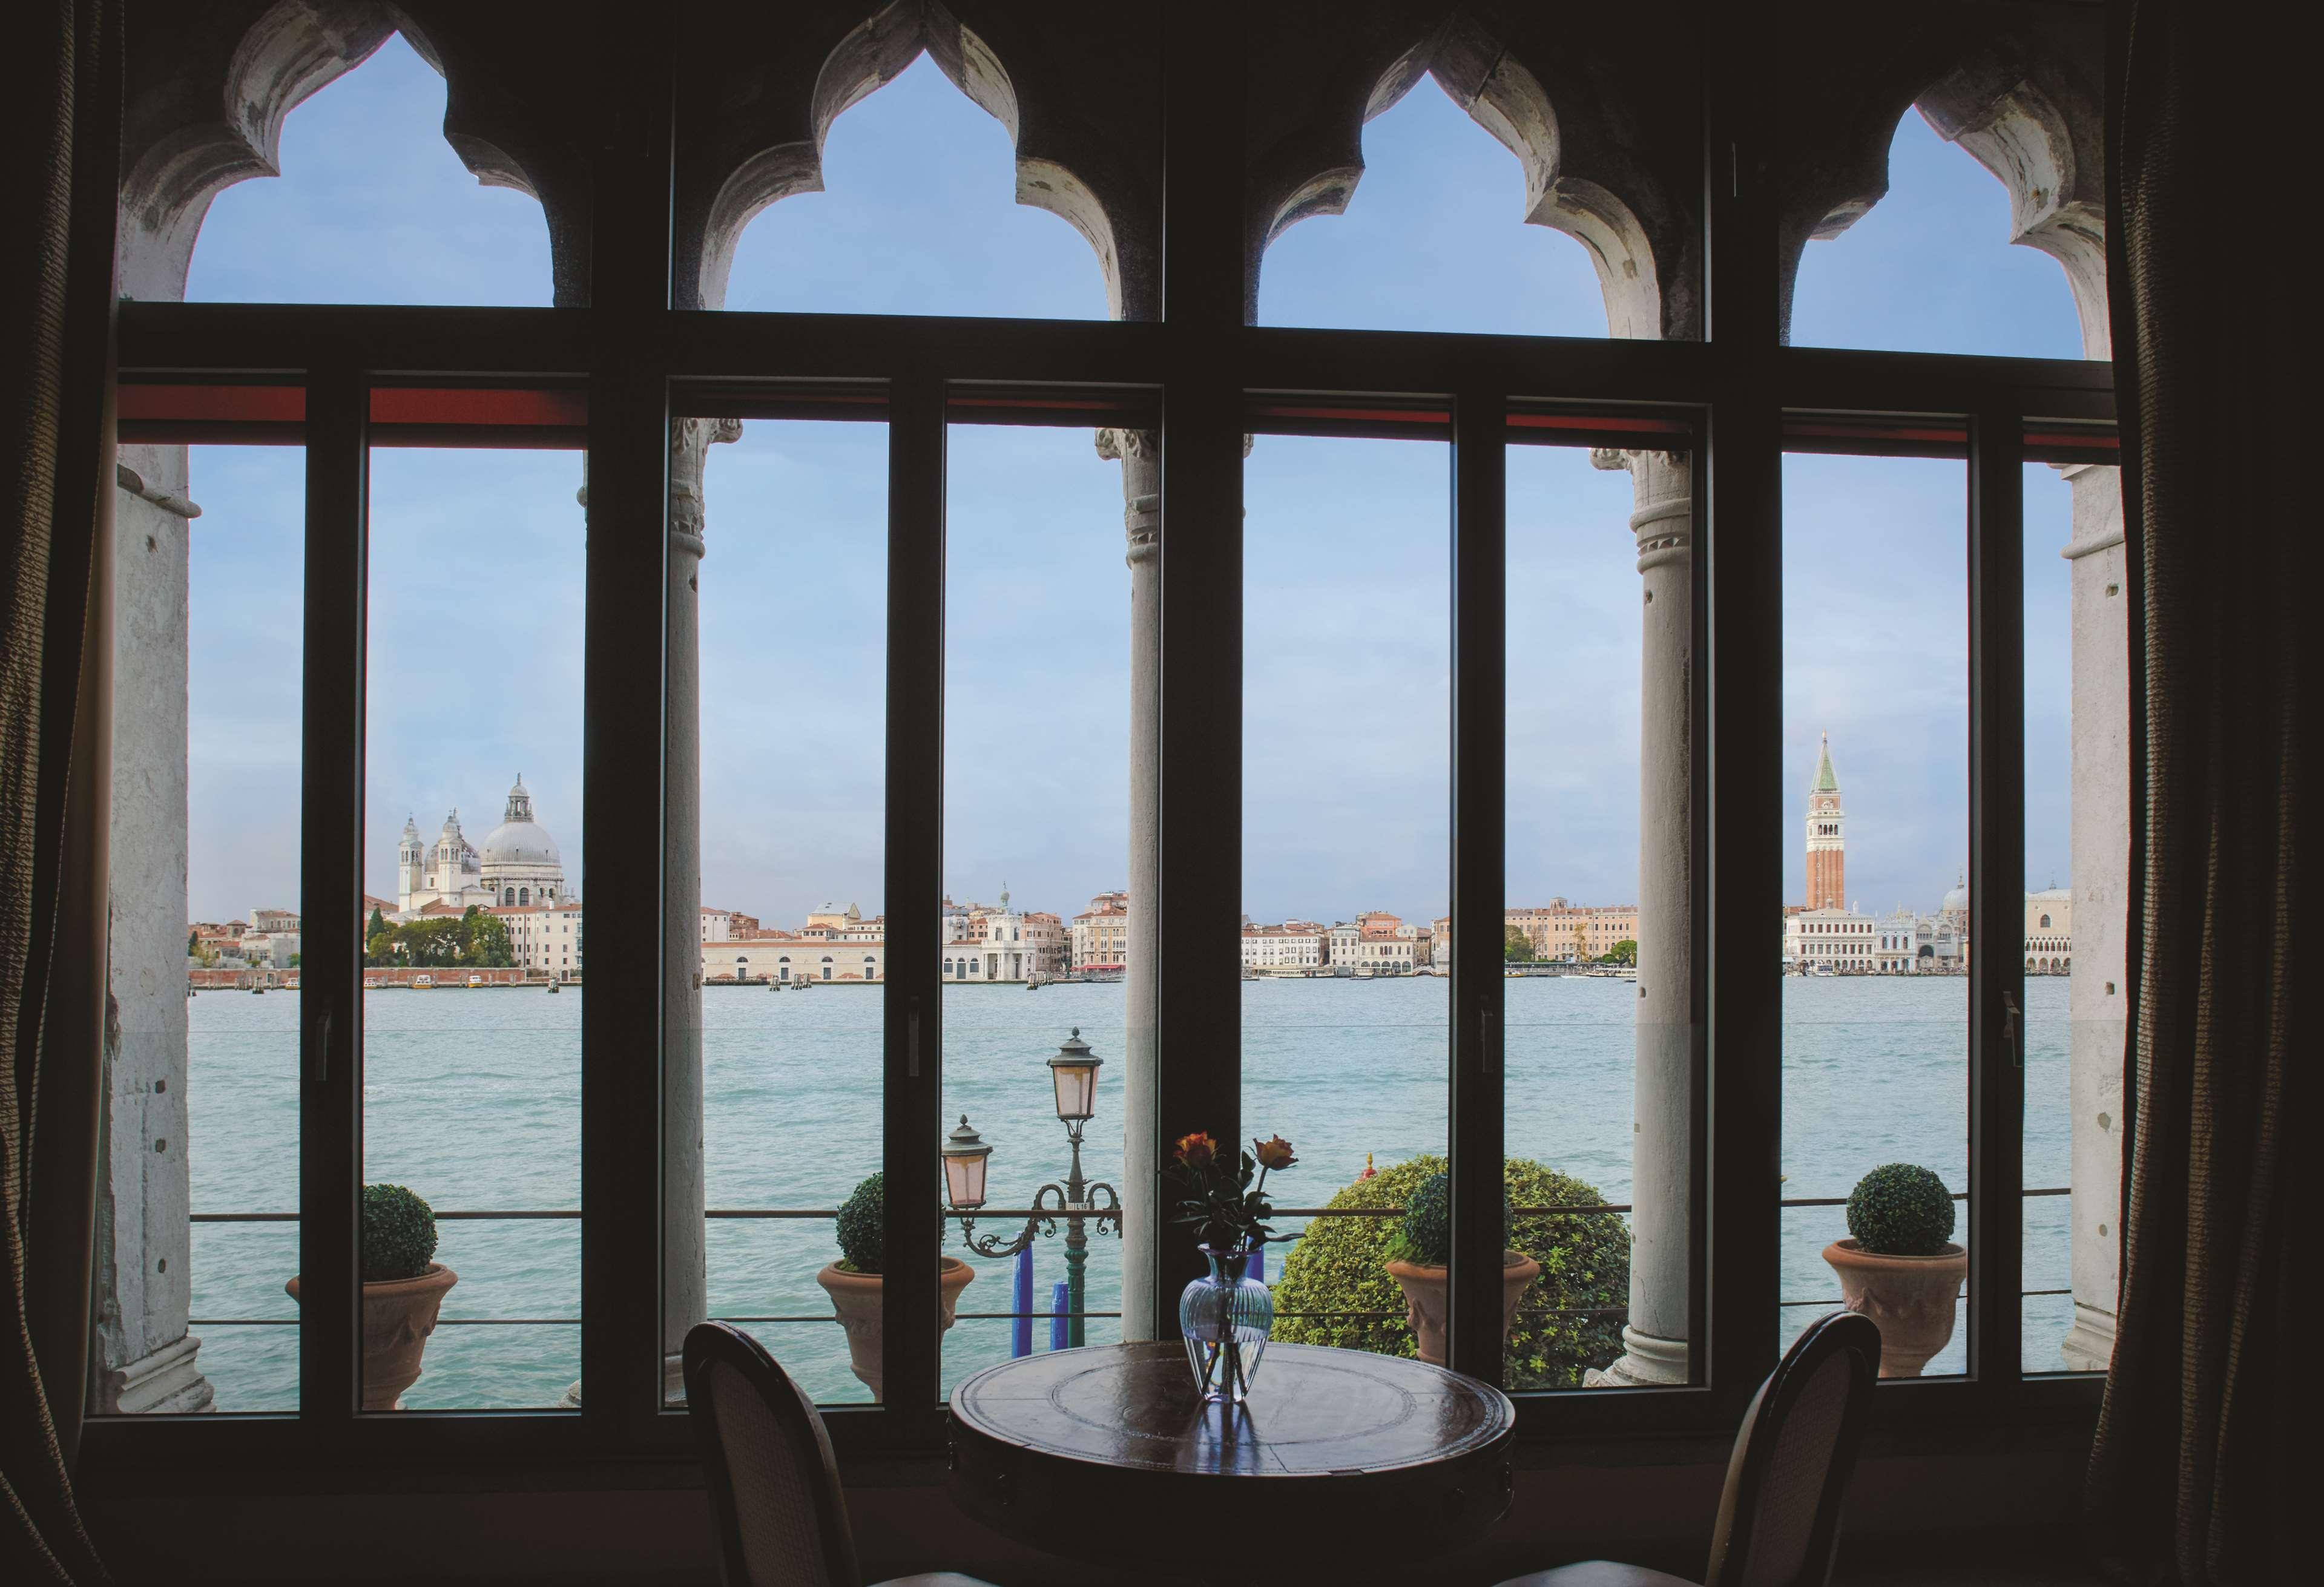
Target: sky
column 476, row 573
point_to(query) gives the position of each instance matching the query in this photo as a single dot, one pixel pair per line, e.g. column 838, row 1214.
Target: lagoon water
column 473, row 1099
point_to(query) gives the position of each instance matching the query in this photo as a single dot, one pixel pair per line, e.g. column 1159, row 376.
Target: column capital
column 690, row 440
column 1140, row 453
column 1663, row 518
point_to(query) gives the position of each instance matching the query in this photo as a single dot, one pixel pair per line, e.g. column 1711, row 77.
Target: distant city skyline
column 476, row 571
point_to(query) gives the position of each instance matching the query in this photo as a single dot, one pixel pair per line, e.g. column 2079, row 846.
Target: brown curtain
column 60, row 144
column 2193, row 1476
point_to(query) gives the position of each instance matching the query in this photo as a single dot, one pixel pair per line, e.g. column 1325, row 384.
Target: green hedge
column 863, row 1226
column 1901, row 1210
column 1339, row 1264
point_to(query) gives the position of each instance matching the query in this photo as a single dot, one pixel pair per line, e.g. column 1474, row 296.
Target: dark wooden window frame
column 1200, row 364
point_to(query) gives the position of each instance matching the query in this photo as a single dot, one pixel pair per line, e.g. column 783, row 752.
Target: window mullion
column 912, row 996
column 1997, row 1158
column 1479, row 751
column 330, row 898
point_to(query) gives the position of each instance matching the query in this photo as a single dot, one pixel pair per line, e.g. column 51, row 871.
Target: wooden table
column 1340, row 1460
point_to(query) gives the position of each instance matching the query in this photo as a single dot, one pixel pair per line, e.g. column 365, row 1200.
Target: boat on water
column 552, row 989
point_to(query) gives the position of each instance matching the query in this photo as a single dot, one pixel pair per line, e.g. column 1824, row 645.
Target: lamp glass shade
column 1075, row 1072
column 965, row 1155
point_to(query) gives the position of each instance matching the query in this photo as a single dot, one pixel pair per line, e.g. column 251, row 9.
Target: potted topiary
column 403, row 1288
column 1899, row 1265
column 856, row 1285
column 1420, row 1256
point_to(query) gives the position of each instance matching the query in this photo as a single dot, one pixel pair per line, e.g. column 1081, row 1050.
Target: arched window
column 2045, row 922
column 508, row 895
column 923, row 184
column 524, row 895
column 373, row 207
column 1432, row 236
column 1929, row 268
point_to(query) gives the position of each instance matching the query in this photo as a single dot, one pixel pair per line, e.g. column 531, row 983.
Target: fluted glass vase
column 1224, row 1317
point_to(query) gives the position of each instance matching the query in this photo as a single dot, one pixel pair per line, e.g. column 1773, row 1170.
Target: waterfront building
column 1840, row 940
column 545, row 939
column 1045, row 943
column 720, row 924
column 1896, row 944
column 1099, row 935
column 1827, row 846
column 1293, row 948
column 1342, row 946
column 1574, row 932
column 2050, row 931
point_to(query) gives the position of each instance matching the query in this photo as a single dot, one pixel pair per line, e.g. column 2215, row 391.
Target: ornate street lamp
column 1074, row 1075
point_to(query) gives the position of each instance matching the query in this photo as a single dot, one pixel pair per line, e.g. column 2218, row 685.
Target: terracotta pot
column 1424, row 1298
column 1910, row 1298
column 398, row 1316
column 857, row 1298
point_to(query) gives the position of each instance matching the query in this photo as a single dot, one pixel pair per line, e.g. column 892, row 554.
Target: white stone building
column 1839, row 940
column 545, row 938
column 2050, row 931
column 519, row 865
column 1293, row 948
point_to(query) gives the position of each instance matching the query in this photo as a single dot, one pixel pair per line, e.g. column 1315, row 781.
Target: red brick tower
column 1827, row 850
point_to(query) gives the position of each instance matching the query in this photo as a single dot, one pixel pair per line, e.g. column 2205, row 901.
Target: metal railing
column 748, row 1214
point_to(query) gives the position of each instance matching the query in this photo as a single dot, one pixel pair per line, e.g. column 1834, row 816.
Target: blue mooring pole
column 1059, row 1304
column 1020, row 1301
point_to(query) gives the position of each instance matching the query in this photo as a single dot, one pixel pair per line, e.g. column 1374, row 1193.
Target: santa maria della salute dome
column 518, row 868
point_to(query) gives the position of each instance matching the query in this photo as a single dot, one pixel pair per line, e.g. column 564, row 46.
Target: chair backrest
column 776, row 1509
column 1779, row 1517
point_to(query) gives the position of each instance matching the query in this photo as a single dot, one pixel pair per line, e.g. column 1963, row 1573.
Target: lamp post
column 1074, row 1075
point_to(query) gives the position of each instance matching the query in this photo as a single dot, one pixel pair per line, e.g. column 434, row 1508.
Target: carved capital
column 1140, row 453
column 1664, row 486
column 690, row 440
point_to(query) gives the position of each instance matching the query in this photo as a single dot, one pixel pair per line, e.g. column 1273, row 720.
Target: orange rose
column 1275, row 1152
column 1196, row 1150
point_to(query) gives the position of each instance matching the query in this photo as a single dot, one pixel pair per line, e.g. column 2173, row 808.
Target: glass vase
column 1224, row 1317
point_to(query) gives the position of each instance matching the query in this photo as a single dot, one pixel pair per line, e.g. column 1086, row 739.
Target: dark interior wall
column 1901, row 1507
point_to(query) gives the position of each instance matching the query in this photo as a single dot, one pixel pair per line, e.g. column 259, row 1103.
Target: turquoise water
column 474, row 1100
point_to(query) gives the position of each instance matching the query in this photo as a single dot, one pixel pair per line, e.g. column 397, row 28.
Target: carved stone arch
column 210, row 87
column 768, row 144
column 2022, row 91
column 1592, row 175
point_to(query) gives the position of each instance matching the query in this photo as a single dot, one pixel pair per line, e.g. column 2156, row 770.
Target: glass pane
column 473, row 938
column 2077, row 872
column 793, row 707
column 1347, row 693
column 1596, row 1033
column 203, row 972
column 1874, row 931
column 1037, row 834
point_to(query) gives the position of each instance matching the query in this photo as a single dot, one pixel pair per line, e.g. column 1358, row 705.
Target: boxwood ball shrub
column 1339, row 1264
column 863, row 1226
column 399, row 1233
column 1898, row 1210
column 1424, row 1236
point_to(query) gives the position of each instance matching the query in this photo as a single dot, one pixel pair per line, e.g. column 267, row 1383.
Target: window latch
column 2009, row 1030
column 318, row 1060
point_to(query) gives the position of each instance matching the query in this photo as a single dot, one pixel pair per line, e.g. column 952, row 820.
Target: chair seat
column 1598, row 1572
column 934, row 1578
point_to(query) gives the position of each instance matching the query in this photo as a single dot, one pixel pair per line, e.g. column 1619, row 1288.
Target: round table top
column 1311, row 1412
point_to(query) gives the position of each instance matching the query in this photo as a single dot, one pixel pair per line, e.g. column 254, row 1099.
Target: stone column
column 1141, row 485
column 685, row 1272
column 143, row 1359
column 2097, row 995
column 1654, row 1339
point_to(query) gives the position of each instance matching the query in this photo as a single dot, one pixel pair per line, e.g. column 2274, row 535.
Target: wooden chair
column 1779, row 1517
column 776, row 1512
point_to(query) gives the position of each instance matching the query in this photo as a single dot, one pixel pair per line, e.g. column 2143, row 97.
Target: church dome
column 518, row 839
column 1956, row 901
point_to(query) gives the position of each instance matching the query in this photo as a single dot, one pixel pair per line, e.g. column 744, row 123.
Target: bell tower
column 407, row 865
column 1827, row 849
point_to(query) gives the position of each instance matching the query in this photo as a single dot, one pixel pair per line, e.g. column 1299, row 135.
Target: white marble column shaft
column 1141, row 486
column 2099, row 847
column 1654, row 1338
